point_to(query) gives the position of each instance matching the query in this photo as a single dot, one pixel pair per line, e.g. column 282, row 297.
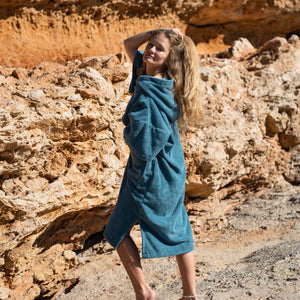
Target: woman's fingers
column 178, row 32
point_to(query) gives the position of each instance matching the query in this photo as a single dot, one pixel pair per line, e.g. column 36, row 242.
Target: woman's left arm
column 133, row 43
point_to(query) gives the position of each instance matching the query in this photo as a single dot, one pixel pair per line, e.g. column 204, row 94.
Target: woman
column 165, row 89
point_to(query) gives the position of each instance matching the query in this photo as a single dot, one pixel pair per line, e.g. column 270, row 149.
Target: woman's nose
column 152, row 49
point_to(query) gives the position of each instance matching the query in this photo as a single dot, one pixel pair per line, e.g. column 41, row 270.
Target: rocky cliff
column 42, row 30
column 61, row 150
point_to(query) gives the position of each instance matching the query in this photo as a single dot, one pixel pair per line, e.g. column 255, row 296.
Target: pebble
column 36, row 95
column 4, row 293
column 74, row 97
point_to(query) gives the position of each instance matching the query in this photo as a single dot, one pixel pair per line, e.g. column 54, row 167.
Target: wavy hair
column 183, row 66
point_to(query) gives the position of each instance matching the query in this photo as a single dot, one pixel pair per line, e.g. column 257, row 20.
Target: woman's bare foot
column 146, row 295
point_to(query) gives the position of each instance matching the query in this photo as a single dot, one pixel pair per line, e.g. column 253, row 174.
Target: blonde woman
column 165, row 90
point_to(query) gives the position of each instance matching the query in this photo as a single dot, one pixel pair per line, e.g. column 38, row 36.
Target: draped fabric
column 153, row 186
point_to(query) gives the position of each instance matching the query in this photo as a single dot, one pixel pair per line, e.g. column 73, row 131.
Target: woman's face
column 157, row 51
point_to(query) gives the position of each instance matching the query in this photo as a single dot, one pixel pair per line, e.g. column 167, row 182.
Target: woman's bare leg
column 130, row 258
column 186, row 264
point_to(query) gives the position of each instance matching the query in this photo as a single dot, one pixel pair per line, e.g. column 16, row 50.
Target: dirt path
column 256, row 256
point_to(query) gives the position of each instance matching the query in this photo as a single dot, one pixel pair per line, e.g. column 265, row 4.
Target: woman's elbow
column 125, row 43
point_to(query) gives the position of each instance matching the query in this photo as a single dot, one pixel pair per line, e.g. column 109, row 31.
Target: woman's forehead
column 160, row 40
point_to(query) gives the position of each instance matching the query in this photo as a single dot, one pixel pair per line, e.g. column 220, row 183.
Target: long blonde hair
column 183, row 66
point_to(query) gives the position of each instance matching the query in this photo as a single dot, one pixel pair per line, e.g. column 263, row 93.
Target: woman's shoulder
column 138, row 59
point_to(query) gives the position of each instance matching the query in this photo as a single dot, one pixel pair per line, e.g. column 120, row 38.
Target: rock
column 273, row 44
column 70, row 256
column 294, row 40
column 292, row 173
column 74, row 97
column 20, row 73
column 36, row 184
column 239, row 49
column 36, row 95
column 93, row 78
column 94, row 62
column 109, row 66
column 4, row 293
column 88, row 93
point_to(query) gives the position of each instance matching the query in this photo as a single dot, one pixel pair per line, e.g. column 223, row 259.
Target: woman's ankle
column 145, row 293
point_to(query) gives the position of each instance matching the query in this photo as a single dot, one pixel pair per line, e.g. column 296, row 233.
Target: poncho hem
column 175, row 251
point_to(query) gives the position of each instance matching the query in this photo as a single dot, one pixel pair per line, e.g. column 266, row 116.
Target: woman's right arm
column 133, row 43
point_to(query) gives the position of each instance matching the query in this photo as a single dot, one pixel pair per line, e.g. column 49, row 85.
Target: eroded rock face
column 62, row 154
column 61, row 144
column 75, row 29
column 247, row 103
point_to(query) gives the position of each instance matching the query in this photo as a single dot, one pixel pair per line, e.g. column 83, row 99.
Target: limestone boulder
column 240, row 49
column 230, row 143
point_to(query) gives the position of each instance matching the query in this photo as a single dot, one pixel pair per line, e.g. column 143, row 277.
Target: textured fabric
column 153, row 186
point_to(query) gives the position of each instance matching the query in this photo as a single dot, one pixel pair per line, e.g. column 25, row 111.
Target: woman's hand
column 177, row 31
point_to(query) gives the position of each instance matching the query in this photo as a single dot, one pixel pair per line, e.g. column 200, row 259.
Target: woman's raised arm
column 132, row 43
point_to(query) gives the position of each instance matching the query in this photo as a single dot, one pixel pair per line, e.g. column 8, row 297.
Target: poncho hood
column 161, row 92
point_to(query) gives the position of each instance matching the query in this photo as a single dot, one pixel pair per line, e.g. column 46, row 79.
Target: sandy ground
column 255, row 256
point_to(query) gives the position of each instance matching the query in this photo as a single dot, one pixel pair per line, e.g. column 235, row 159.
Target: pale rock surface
column 240, row 48
column 62, row 154
column 4, row 293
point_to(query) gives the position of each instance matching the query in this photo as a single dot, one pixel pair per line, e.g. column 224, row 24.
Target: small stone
column 218, row 89
column 36, row 95
column 294, row 39
column 241, row 48
column 204, row 76
column 20, row 73
column 74, row 97
column 273, row 44
column 69, row 255
column 89, row 93
column 39, row 277
column 4, row 293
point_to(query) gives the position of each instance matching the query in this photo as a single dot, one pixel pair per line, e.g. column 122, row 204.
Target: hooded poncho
column 153, row 186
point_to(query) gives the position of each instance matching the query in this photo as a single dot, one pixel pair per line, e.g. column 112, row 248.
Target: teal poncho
column 153, row 186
